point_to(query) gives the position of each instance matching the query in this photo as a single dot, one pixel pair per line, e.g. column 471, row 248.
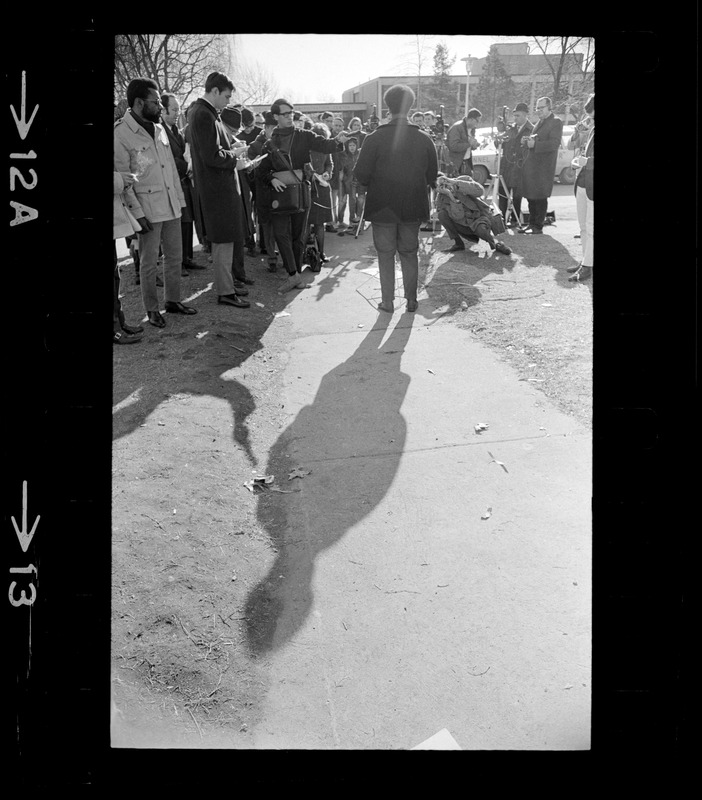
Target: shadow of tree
column 354, row 434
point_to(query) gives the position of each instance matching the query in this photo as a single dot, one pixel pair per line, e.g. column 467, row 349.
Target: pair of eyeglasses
column 285, row 114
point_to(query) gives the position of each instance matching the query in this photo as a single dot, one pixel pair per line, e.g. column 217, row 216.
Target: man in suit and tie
column 218, row 190
column 540, row 156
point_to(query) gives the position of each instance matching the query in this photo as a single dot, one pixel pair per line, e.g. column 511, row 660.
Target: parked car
column 485, row 158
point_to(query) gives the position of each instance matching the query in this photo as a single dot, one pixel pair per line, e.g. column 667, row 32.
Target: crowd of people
column 275, row 183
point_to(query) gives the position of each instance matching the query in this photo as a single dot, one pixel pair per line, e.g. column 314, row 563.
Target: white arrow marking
column 23, row 126
column 24, row 537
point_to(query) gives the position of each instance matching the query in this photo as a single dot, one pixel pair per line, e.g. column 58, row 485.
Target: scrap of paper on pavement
column 439, row 741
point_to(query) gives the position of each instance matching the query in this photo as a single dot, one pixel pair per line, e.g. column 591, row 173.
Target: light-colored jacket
column 460, row 143
column 123, row 222
column 157, row 195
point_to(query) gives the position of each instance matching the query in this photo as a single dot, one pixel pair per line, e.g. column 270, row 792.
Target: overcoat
column 397, row 163
column 214, row 170
column 539, row 168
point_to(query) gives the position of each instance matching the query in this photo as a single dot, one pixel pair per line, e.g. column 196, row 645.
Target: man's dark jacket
column 397, row 163
column 177, row 140
column 214, row 169
column 513, row 155
column 539, row 168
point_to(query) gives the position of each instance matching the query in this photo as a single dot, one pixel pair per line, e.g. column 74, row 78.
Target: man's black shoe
column 533, row 231
column 156, row 319
column 122, row 337
column 240, row 289
column 179, row 308
column 232, row 300
column 455, row 248
column 247, row 281
column 132, row 329
column 188, row 263
column 573, row 269
column 501, row 247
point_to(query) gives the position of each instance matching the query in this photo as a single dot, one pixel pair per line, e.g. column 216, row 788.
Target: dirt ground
column 192, row 406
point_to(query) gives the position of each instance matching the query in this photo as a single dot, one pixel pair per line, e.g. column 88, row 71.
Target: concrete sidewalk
column 394, row 609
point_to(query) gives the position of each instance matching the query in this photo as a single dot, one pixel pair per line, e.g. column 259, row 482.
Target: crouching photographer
column 465, row 215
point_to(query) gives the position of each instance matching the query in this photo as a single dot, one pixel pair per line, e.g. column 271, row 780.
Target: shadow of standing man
column 353, row 437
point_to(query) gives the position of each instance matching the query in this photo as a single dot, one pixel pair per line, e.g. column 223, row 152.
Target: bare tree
column 255, row 83
column 178, row 63
column 421, row 54
column 561, row 55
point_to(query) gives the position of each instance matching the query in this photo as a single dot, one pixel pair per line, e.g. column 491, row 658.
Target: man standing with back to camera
column 397, row 163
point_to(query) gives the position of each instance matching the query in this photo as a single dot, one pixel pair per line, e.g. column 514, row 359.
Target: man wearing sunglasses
column 155, row 199
column 290, row 229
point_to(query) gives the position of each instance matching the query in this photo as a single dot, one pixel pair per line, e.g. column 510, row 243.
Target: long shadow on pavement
column 353, row 434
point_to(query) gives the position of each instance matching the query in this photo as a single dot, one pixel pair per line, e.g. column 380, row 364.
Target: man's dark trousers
column 537, row 213
column 289, row 232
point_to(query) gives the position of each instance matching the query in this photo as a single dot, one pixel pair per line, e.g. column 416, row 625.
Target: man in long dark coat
column 218, row 189
column 540, row 163
column 397, row 163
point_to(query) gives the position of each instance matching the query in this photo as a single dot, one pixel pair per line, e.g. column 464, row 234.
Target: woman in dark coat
column 320, row 210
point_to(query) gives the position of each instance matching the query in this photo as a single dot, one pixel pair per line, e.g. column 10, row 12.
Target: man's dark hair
column 139, row 88
column 269, row 119
column 399, row 99
column 590, row 105
column 276, row 104
column 166, row 99
column 474, row 114
column 218, row 80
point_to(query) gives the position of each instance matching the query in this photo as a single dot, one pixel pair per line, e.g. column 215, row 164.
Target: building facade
column 529, row 71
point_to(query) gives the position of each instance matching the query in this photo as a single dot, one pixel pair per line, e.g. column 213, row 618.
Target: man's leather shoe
column 412, row 305
column 132, row 329
column 456, row 247
column 184, row 273
column 583, row 274
column 573, row 269
column 179, row 308
column 386, row 307
column 188, row 263
column 156, row 319
column 501, row 247
column 240, row 289
column 232, row 300
column 533, row 231
column 122, row 337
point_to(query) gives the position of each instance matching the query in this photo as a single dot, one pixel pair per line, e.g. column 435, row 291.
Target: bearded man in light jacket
column 155, row 199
